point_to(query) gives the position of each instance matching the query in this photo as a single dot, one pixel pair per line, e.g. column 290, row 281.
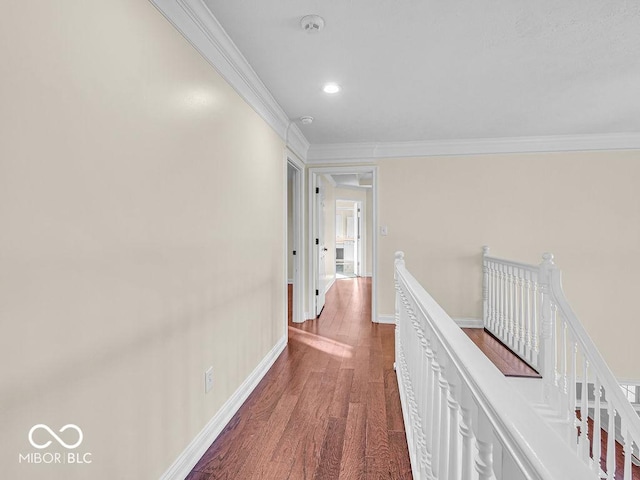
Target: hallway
column 329, row 407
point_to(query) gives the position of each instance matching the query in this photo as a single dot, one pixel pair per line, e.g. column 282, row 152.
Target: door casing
column 312, row 273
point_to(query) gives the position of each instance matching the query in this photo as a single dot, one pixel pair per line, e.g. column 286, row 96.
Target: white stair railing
column 463, row 420
column 525, row 307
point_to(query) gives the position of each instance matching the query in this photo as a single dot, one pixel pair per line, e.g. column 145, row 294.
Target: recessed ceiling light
column 331, row 88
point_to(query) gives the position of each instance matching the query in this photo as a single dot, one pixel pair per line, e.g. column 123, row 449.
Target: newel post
column 399, row 258
column 485, row 286
column 547, row 326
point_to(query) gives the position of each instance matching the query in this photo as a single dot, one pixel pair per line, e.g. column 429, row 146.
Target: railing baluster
column 527, row 310
column 468, row 412
column 536, row 322
column 596, row 447
column 510, row 324
column 435, row 418
column 564, row 404
column 503, row 302
column 484, row 458
column 494, row 297
column 611, row 440
column 443, row 462
column 428, row 405
column 555, row 350
column 455, row 444
column 521, row 317
column 583, row 440
column 573, row 395
column 627, row 449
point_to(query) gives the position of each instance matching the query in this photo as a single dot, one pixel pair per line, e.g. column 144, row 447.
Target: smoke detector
column 312, row 23
column 306, row 120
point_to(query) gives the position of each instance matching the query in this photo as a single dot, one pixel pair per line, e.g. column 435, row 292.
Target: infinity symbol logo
column 53, row 434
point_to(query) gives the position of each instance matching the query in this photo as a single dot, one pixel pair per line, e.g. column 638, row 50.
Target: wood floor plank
column 307, row 457
column 331, row 454
column 259, row 460
column 340, row 402
column 395, row 422
column 295, row 430
column 361, row 374
column 353, row 465
column 400, row 463
column 377, row 442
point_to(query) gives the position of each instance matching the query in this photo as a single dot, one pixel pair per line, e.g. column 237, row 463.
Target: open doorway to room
column 295, row 254
column 348, row 238
column 342, row 223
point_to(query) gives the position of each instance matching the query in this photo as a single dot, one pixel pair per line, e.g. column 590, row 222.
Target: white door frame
column 313, row 171
column 359, row 221
column 319, row 286
column 298, row 315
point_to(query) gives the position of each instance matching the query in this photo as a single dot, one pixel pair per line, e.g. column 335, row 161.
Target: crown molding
column 194, row 20
column 359, row 152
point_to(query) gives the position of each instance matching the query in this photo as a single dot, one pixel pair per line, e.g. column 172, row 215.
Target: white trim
column 297, row 142
column 627, row 381
column 289, row 281
column 357, row 152
column 386, row 319
column 298, row 237
column 353, row 187
column 374, row 228
column 309, row 316
column 199, row 445
column 330, row 284
column 194, row 20
column 469, row 322
column 367, row 275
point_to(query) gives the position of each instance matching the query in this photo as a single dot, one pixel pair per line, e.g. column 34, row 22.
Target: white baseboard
column 368, row 275
column 469, row 322
column 290, row 281
column 387, row 319
column 199, row 445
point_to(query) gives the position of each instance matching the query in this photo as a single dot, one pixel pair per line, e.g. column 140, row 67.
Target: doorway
column 348, row 238
column 358, row 186
column 294, row 252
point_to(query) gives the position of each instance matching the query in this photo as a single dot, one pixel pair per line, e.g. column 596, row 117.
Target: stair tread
column 510, row 364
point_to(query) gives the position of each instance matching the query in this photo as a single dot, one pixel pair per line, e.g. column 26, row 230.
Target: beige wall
column 124, row 274
column 583, row 207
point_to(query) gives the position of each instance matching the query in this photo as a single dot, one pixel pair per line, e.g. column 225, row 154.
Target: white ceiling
column 426, row 70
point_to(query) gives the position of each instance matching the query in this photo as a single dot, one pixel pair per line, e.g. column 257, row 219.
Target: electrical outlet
column 208, row 380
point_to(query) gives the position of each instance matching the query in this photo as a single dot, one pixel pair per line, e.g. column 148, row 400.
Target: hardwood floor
column 507, row 362
column 329, row 407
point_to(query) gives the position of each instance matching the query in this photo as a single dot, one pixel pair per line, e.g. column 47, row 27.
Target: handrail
column 616, row 400
column 575, row 376
column 461, row 419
